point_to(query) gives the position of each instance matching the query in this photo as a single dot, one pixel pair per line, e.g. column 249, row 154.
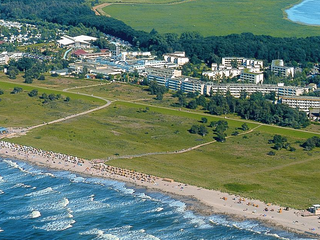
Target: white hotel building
column 304, row 103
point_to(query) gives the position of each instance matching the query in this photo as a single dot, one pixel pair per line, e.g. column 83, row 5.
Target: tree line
column 257, row 107
column 198, row 48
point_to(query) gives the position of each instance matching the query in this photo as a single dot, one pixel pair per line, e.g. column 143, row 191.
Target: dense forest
column 197, row 47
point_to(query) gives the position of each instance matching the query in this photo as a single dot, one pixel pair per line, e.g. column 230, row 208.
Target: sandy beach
column 237, row 206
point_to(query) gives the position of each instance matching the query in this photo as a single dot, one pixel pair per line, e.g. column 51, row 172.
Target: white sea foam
column 35, row 214
column 65, row 202
column 1, row 192
column 58, row 225
column 42, row 192
column 1, row 230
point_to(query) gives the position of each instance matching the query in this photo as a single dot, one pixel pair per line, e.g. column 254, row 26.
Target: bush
column 42, row 77
column 33, row 93
column 16, row 90
column 271, row 153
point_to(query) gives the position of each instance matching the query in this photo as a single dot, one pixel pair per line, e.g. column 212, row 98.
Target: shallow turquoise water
column 307, row 12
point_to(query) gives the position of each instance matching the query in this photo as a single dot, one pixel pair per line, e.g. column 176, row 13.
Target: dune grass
column 121, row 129
column 213, row 17
column 241, row 165
column 20, row 110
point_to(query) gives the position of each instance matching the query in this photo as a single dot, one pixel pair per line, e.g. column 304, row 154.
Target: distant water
column 307, row 12
column 38, row 203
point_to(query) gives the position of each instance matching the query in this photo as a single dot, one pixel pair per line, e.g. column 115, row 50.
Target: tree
column 204, row 120
column 12, row 72
column 52, row 97
column 221, row 136
column 28, row 79
column 33, row 93
column 192, row 104
column 203, row 130
column 1, row 92
column 67, row 99
column 159, row 96
column 194, row 129
column 16, row 90
column 41, row 77
column 244, row 127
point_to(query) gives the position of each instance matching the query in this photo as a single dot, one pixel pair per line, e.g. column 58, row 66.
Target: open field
column 121, row 129
column 240, row 165
column 20, row 110
column 58, row 83
column 212, row 17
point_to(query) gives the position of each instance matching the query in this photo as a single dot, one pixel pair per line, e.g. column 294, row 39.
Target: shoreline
column 285, row 15
column 205, row 201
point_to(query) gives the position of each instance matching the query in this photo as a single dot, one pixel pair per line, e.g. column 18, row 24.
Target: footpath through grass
column 241, row 165
column 21, row 110
column 212, row 17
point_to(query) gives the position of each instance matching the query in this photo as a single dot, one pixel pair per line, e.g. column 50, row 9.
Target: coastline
column 286, row 17
column 207, row 201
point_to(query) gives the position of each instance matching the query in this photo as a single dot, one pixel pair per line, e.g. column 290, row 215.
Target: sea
column 306, row 12
column 40, row 203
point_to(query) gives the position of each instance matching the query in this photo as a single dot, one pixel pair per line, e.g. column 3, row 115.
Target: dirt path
column 98, row 10
column 23, row 131
column 177, row 151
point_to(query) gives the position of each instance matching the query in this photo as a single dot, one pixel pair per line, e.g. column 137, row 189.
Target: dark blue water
column 37, row 203
column 307, row 12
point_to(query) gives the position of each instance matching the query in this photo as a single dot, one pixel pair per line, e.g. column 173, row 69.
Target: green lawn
column 20, row 110
column 213, row 17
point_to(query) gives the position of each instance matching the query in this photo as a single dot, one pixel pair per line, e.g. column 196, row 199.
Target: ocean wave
column 42, row 192
column 35, row 214
column 59, row 225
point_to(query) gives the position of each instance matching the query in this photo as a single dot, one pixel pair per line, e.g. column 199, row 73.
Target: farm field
column 211, row 17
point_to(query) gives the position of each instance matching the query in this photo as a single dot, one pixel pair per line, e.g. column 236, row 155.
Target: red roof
column 79, row 52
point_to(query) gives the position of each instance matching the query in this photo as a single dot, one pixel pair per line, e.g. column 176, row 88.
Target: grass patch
column 20, row 110
column 241, row 188
column 212, row 17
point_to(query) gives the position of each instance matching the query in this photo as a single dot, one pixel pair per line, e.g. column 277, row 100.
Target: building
column 173, row 80
column 278, row 68
column 176, row 57
column 236, row 88
column 251, row 77
column 304, row 103
column 248, row 70
column 81, row 41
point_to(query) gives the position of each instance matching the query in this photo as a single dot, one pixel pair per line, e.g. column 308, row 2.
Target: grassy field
column 240, row 165
column 20, row 110
column 212, row 17
column 58, row 83
column 122, row 129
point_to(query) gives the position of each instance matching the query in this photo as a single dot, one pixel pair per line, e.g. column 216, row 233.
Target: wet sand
column 215, row 201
